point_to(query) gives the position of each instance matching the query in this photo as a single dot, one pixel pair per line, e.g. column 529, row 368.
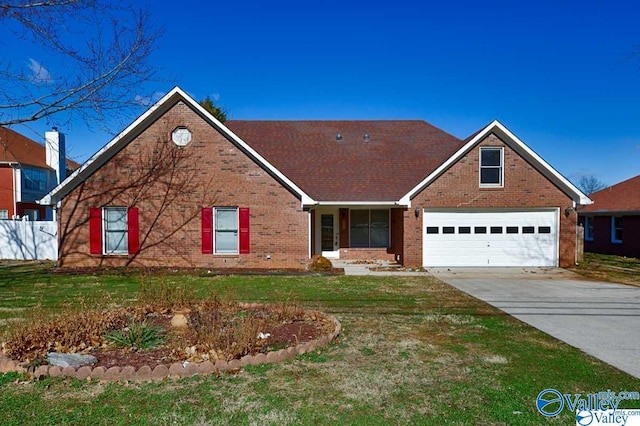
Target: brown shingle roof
column 621, row 197
column 395, row 158
column 18, row 148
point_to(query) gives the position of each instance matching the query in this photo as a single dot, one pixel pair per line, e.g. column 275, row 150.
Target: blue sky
column 561, row 75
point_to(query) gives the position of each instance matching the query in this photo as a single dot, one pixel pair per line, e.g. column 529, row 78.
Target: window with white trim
column 588, row 228
column 491, row 166
column 616, row 229
column 115, row 230
column 4, row 214
column 226, row 230
column 369, row 228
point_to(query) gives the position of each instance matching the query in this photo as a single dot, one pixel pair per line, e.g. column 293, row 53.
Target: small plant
column 320, row 264
column 138, row 336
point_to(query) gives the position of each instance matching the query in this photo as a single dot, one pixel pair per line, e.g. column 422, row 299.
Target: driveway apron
column 602, row 319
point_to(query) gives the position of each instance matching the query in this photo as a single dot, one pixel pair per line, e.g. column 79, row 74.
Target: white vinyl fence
column 27, row 240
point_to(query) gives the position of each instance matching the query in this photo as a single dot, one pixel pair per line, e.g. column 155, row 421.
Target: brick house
column 28, row 171
column 178, row 188
column 612, row 222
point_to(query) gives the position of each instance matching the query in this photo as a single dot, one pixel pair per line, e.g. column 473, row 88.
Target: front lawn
column 413, row 351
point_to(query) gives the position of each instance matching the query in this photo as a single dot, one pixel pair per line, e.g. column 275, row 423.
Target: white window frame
column 614, row 228
column 4, row 214
column 588, row 228
column 106, row 231
column 500, row 167
column 215, row 231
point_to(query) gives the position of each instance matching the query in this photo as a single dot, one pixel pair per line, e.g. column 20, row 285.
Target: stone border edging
column 179, row 370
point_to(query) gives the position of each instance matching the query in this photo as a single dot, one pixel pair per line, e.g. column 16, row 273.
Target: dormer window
column 491, row 167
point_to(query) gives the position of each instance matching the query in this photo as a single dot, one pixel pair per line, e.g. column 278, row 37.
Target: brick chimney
column 56, row 154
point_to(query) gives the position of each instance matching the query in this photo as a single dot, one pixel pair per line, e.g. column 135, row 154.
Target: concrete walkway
column 602, row 319
column 352, row 267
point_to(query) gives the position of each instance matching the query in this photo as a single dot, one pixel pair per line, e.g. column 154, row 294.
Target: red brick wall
column 6, row 190
column 458, row 187
column 209, row 171
column 601, row 243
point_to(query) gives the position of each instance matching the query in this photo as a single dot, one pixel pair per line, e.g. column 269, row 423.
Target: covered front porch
column 358, row 232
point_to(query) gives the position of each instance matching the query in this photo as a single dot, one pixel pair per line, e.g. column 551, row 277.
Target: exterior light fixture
column 417, row 212
column 567, row 211
column 366, row 137
column 339, row 137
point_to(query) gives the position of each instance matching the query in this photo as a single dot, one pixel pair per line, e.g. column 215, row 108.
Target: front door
column 328, row 236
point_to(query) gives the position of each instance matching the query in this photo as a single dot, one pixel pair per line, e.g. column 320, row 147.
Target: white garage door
column 497, row 238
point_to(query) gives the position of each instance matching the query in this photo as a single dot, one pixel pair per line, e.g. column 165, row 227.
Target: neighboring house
column 178, row 188
column 28, row 171
column 612, row 222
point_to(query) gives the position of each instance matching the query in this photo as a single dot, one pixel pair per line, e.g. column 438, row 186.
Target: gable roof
column 174, row 96
column 516, row 144
column 334, row 162
column 17, row 148
column 621, row 197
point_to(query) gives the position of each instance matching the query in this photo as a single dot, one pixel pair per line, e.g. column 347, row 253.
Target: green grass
column 413, row 351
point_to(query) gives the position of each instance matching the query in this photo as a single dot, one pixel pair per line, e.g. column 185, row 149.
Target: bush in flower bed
column 216, row 329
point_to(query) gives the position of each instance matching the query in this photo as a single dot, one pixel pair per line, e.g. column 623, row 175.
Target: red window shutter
column 207, row 230
column 95, row 230
column 133, row 230
column 244, row 230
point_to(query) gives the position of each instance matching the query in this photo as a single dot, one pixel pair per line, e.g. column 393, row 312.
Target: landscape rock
column 63, row 360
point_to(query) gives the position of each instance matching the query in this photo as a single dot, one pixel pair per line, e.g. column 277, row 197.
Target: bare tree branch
column 84, row 58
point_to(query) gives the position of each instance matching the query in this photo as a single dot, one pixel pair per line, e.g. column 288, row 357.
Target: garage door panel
column 522, row 238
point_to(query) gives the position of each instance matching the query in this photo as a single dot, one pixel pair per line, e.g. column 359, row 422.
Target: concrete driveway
column 602, row 319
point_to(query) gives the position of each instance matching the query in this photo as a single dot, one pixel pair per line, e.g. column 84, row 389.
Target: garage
column 490, row 238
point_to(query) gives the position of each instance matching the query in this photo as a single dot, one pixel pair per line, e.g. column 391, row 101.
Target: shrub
column 320, row 264
column 137, row 336
column 68, row 332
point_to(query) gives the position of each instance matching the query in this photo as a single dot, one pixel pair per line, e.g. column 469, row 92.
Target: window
column 369, row 228
column 512, row 229
column 448, row 230
column 113, row 230
column 528, row 229
column 480, row 230
column 432, row 229
column 491, row 167
column 464, row 230
column 32, row 214
column 496, row 229
column 4, row 214
column 544, row 229
column 588, row 228
column 226, row 231
column 35, row 180
column 616, row 229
